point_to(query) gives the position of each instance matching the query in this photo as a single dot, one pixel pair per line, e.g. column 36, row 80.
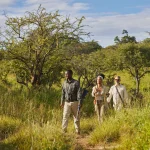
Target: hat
column 102, row 76
column 117, row 77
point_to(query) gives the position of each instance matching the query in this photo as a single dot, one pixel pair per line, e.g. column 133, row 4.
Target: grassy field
column 32, row 121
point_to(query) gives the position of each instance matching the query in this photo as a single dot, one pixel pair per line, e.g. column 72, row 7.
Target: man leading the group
column 118, row 93
column 70, row 101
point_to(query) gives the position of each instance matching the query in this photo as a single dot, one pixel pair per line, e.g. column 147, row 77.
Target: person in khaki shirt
column 99, row 92
column 118, row 93
column 71, row 100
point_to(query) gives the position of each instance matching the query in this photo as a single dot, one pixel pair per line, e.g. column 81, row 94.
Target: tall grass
column 8, row 126
column 33, row 121
column 130, row 128
column 39, row 106
column 35, row 137
column 40, row 115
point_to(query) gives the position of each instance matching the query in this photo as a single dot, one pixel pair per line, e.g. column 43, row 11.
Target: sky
column 105, row 18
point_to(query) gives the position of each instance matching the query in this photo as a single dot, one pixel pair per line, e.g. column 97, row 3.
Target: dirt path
column 82, row 144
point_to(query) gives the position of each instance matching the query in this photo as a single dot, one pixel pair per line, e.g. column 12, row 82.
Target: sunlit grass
column 32, row 121
column 130, row 128
column 38, row 138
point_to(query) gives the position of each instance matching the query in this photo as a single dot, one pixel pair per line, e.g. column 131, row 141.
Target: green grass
column 88, row 124
column 130, row 128
column 36, row 137
column 32, row 121
column 8, row 126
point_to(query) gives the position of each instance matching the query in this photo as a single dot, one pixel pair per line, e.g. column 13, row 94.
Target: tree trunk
column 137, row 79
column 36, row 80
column 138, row 95
column 137, row 85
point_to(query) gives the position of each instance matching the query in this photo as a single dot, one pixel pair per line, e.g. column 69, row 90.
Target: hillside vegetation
column 35, row 50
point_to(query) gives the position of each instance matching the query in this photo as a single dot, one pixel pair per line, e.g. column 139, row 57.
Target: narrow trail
column 82, row 144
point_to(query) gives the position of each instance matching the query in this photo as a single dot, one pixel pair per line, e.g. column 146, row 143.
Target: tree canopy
column 36, row 44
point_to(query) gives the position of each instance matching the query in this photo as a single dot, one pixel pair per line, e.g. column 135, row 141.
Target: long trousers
column 99, row 108
column 71, row 107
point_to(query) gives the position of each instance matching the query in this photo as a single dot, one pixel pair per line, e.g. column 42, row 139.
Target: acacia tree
column 125, row 39
column 135, row 59
column 36, row 42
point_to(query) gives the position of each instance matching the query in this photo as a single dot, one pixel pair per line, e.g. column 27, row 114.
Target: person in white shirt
column 99, row 92
column 118, row 93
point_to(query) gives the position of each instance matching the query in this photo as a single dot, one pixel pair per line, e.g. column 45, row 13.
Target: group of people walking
column 71, row 99
column 103, row 95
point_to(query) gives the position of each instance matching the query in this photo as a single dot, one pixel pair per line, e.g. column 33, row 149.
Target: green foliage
column 37, row 48
column 135, row 55
column 135, row 59
column 36, row 45
column 111, row 59
column 93, row 64
column 89, row 47
column 146, row 41
column 5, row 67
column 125, row 39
